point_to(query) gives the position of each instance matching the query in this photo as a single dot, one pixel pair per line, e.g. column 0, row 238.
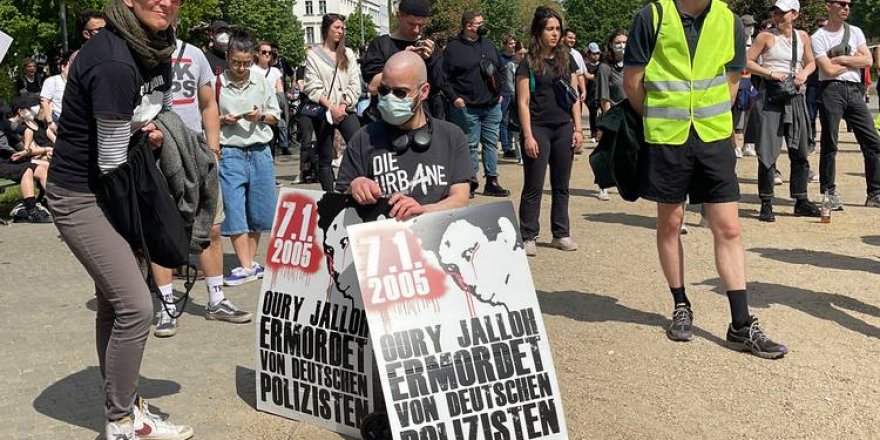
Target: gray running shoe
column 166, row 327
column 564, row 243
column 873, row 201
column 226, row 311
column 752, row 338
column 682, row 320
column 836, row 201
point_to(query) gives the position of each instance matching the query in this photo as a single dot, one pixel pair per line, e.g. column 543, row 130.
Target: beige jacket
column 319, row 75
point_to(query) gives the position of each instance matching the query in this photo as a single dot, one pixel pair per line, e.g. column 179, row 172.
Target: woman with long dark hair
column 333, row 80
column 248, row 110
column 609, row 80
column 551, row 132
column 120, row 82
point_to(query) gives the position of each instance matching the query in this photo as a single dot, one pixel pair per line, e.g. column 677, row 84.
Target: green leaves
column 271, row 20
column 353, row 30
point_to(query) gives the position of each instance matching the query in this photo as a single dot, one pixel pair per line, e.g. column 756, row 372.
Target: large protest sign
column 460, row 343
column 314, row 357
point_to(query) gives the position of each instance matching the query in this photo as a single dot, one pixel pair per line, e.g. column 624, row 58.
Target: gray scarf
column 149, row 48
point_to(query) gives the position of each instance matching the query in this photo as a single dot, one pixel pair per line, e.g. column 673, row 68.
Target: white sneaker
column 749, row 150
column 122, row 429
column 565, row 244
column 777, row 178
column 335, row 163
column 814, row 176
column 738, row 151
column 166, row 327
column 602, row 195
column 149, row 426
column 593, row 140
column 531, row 247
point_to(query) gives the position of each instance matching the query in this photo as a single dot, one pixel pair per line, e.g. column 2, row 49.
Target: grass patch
column 8, row 199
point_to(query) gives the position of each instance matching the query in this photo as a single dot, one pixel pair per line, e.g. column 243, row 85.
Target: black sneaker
column 806, row 208
column 682, row 320
column 766, row 214
column 474, row 186
column 493, row 189
column 510, row 154
column 752, row 338
column 35, row 215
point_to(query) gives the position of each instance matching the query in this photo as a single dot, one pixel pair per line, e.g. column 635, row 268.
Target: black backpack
column 136, row 200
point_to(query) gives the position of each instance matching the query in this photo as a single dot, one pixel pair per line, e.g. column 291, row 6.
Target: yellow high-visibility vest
column 681, row 91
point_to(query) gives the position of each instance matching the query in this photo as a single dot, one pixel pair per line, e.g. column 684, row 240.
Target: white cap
column 788, row 5
column 593, row 48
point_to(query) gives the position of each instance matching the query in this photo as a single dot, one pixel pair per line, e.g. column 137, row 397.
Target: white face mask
column 619, row 49
column 222, row 40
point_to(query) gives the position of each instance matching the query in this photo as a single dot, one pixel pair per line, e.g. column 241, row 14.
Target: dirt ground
column 813, row 285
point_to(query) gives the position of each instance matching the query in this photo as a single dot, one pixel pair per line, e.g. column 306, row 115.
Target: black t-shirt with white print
column 105, row 82
column 426, row 175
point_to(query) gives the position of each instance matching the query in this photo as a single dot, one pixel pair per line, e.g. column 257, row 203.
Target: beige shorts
column 219, row 215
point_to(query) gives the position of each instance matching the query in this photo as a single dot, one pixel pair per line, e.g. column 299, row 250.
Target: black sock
column 678, row 296
column 30, row 203
column 739, row 308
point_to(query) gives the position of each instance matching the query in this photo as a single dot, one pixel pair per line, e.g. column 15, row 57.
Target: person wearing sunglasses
column 120, row 82
column 91, row 22
column 420, row 163
column 842, row 97
column 681, row 73
column 779, row 117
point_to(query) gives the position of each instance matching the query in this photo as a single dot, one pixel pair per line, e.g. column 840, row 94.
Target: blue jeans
column 480, row 125
column 247, row 180
column 506, row 108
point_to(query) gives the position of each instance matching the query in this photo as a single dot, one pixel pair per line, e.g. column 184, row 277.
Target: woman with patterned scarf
column 121, row 80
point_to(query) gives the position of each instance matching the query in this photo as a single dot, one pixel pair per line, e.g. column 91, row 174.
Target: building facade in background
column 309, row 13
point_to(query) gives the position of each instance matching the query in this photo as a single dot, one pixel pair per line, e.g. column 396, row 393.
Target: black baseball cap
column 419, row 8
column 218, row 25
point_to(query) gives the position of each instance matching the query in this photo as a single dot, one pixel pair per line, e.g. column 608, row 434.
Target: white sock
column 215, row 290
column 167, row 292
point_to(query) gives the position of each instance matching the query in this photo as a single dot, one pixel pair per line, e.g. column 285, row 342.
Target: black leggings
column 554, row 148
column 324, row 134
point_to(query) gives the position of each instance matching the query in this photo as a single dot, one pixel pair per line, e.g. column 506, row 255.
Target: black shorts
column 15, row 170
column 705, row 171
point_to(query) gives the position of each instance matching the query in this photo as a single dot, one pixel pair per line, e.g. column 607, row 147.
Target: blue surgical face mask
column 396, row 111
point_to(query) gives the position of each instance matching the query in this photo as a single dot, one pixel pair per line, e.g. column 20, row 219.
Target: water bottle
column 825, row 208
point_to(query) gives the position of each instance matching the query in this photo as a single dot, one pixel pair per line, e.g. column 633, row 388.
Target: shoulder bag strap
column 180, row 53
column 794, row 57
column 217, row 90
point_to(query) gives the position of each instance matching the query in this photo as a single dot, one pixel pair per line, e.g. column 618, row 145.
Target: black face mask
column 481, row 31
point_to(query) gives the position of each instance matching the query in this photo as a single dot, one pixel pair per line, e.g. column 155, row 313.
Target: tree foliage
column 353, row 30
column 594, row 20
column 271, row 20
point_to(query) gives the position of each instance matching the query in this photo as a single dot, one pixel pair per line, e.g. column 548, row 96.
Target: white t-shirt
column 53, row 91
column 272, row 76
column 579, row 60
column 188, row 73
column 823, row 41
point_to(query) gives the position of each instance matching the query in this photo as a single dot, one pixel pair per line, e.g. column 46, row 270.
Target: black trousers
column 324, row 134
column 846, row 100
column 800, row 173
column 308, row 163
column 554, row 149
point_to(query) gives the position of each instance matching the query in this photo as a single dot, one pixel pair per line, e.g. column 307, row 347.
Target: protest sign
column 314, row 357
column 461, row 348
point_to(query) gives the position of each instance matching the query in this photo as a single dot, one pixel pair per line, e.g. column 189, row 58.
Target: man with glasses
column 90, row 23
column 473, row 85
column 420, row 162
column 842, row 97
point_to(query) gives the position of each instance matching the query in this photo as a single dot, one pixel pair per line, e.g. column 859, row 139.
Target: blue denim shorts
column 247, row 181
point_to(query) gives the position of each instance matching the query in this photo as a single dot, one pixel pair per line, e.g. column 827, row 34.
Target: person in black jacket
column 473, row 85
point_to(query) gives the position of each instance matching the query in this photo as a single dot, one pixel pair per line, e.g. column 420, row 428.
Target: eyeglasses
column 842, row 5
column 266, row 52
column 400, row 92
column 94, row 31
column 240, row 64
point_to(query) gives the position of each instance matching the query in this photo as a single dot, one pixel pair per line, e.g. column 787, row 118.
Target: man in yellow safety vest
column 681, row 72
